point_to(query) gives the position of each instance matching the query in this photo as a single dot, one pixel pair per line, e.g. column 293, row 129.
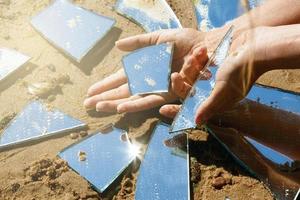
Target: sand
column 34, row 172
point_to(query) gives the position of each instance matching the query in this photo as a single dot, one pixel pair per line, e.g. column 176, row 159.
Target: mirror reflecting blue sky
column 71, row 28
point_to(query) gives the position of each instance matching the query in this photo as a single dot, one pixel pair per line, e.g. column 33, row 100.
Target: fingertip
column 121, row 109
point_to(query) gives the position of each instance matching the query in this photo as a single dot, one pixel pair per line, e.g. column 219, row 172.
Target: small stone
column 15, row 187
column 51, row 98
column 228, row 178
column 83, row 133
column 73, row 136
column 82, row 156
column 219, row 182
column 51, row 67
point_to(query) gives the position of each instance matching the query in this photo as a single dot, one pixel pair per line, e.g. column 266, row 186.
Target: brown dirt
column 34, row 172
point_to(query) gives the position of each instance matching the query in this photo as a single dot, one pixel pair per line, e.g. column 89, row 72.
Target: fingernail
column 99, row 108
column 121, row 110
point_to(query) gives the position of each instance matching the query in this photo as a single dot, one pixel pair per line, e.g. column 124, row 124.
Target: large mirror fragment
column 71, row 28
column 10, row 61
column 36, row 122
column 148, row 69
column 164, row 172
column 152, row 15
column 215, row 13
column 100, row 158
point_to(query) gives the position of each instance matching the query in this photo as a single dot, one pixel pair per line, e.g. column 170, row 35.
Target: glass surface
column 36, row 122
column 164, row 172
column 148, row 69
column 10, row 61
column 150, row 15
column 107, row 156
column 71, row 28
column 215, row 13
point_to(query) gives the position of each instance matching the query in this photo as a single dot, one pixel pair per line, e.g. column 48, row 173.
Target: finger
column 110, row 82
column 169, row 111
column 114, row 94
column 138, row 41
column 179, row 87
column 194, row 64
column 219, row 98
column 145, row 103
column 111, row 106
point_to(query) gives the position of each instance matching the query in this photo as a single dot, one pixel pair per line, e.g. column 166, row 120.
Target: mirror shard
column 164, row 172
column 99, row 158
column 71, row 28
column 148, row 69
column 36, row 122
column 150, row 15
column 10, row 61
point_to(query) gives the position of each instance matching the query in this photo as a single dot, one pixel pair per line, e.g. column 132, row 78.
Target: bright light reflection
column 134, row 150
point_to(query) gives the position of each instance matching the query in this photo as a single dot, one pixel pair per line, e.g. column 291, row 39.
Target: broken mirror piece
column 185, row 118
column 152, row 15
column 101, row 157
column 276, row 98
column 148, row 69
column 215, row 13
column 10, row 61
column 164, row 172
column 71, row 28
column 36, row 122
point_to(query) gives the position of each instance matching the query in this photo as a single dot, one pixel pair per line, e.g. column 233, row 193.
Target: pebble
column 82, row 156
column 51, row 67
column 73, row 136
column 218, row 182
column 83, row 133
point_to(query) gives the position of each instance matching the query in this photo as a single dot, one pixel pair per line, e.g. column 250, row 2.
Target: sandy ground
column 34, row 172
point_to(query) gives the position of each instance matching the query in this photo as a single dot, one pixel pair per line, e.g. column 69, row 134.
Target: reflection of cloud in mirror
column 152, row 15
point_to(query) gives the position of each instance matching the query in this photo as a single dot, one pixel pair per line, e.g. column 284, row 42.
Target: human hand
column 112, row 93
column 234, row 78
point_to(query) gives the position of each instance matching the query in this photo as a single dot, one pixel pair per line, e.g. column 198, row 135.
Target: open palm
column 112, row 93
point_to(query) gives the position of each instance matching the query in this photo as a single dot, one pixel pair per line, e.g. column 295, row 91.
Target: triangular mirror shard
column 71, row 28
column 164, row 171
column 150, row 15
column 148, row 69
column 36, row 122
column 100, row 158
column 215, row 13
column 10, row 61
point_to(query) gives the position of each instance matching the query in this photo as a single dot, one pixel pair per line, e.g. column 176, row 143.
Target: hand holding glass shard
column 71, row 28
column 100, row 158
column 10, row 61
column 36, row 122
column 148, row 69
column 164, row 172
column 152, row 15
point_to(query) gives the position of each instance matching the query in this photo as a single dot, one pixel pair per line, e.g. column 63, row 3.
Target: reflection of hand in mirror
column 253, row 53
column 112, row 94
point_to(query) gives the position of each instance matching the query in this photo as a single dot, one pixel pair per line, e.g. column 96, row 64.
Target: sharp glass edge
column 210, row 61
